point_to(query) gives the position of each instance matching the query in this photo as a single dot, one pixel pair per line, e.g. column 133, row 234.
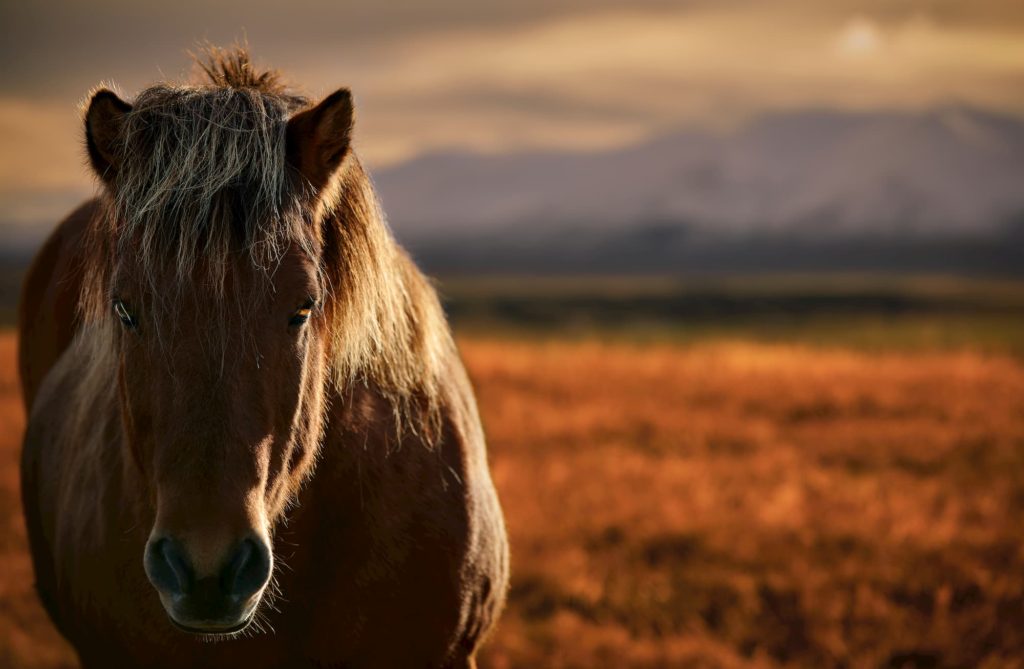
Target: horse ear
column 318, row 139
column 103, row 123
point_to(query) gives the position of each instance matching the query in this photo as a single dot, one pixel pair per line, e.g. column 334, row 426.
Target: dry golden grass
column 738, row 505
column 720, row 505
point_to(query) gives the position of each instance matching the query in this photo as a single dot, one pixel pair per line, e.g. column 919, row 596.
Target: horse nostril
column 168, row 567
column 248, row 571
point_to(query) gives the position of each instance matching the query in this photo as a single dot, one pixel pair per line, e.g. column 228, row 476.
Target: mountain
column 804, row 179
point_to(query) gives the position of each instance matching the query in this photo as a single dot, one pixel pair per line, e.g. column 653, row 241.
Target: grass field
column 867, row 312
column 720, row 505
column 747, row 505
column 717, row 492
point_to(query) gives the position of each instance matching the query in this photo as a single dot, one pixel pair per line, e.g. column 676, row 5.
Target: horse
column 248, row 421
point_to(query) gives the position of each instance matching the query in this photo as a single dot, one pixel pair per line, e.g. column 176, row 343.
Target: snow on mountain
column 815, row 174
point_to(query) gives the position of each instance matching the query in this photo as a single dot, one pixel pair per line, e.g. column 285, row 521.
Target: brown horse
column 248, row 421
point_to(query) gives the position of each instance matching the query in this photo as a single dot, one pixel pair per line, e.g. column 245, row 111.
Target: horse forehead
column 236, row 277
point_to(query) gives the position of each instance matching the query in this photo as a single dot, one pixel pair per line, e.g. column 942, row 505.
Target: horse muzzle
column 219, row 603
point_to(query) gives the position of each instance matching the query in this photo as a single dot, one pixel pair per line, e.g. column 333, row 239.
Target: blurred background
column 740, row 284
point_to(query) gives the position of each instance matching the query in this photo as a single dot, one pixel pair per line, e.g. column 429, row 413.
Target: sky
column 499, row 77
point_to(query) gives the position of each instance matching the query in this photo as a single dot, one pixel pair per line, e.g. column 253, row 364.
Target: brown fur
column 351, row 444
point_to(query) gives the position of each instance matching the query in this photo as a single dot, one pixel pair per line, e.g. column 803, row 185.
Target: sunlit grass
column 803, row 491
column 736, row 504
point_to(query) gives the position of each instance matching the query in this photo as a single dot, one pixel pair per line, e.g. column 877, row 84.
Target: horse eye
column 302, row 314
column 121, row 311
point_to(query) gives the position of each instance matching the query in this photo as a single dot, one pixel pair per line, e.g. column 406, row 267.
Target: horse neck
column 387, row 325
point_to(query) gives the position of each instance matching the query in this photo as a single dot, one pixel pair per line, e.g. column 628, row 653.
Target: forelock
column 203, row 173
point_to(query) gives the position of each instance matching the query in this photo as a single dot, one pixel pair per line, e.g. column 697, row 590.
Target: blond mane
column 202, row 178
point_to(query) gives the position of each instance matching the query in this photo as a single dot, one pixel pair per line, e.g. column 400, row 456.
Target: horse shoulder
column 487, row 561
column 415, row 523
column 43, row 467
column 72, row 491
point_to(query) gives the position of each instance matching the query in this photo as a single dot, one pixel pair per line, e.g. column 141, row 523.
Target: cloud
column 42, row 145
column 580, row 74
column 860, row 37
column 622, row 74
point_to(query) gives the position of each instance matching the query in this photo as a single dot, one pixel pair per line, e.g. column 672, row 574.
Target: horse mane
column 202, row 179
column 233, row 68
